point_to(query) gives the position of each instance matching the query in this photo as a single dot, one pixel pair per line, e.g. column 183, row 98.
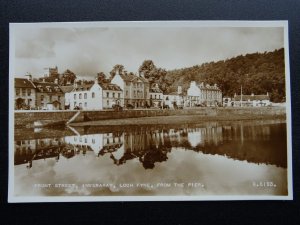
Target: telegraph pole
column 241, row 95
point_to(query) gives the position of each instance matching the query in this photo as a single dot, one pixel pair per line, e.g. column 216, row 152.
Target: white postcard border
column 22, row 199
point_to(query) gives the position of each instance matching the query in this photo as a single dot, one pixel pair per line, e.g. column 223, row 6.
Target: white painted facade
column 98, row 142
column 95, row 97
column 208, row 95
column 251, row 100
column 91, row 99
column 135, row 89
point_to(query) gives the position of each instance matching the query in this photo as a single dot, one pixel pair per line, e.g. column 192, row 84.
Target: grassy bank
column 182, row 119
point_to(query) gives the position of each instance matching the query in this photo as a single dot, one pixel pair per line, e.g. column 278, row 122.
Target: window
column 119, row 95
column 17, row 91
column 93, row 94
column 126, row 93
column 42, row 97
column 93, row 141
column 107, row 103
column 107, row 94
column 134, row 93
column 80, row 96
column 113, row 95
column 155, row 96
column 158, row 96
column 74, row 96
column 74, row 104
column 85, row 95
column 58, row 97
column 23, row 91
column 28, row 92
column 85, row 104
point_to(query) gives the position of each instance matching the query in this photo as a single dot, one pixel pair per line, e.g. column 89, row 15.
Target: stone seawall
column 27, row 118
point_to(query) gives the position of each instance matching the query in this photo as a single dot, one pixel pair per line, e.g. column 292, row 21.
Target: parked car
column 165, row 107
column 199, row 105
column 117, row 107
column 129, row 106
column 77, row 108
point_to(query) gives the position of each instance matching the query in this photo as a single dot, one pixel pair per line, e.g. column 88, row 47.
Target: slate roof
column 104, row 86
column 209, row 87
column 47, row 87
column 251, row 97
column 130, row 77
column 84, row 87
column 23, row 83
column 113, row 87
column 174, row 93
column 67, row 89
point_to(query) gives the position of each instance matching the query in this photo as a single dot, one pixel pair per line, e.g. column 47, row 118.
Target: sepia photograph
column 149, row 111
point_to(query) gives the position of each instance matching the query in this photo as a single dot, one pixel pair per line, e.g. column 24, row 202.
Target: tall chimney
column 75, row 83
column 29, row 77
column 179, row 90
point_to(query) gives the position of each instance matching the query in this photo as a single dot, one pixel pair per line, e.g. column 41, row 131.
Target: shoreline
column 144, row 117
column 175, row 119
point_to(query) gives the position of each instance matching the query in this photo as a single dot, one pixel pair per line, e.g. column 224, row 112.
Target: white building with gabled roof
column 94, row 96
column 135, row 89
column 204, row 94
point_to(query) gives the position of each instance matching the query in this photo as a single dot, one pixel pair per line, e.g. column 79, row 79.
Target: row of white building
column 129, row 91
column 135, row 91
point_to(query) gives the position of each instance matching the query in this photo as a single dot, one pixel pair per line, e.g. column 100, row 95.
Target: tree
column 154, row 74
column 67, row 77
column 118, row 68
column 147, row 68
column 101, row 77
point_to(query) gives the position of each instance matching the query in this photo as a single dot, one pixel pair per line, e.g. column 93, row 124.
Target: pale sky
column 220, row 175
column 87, row 51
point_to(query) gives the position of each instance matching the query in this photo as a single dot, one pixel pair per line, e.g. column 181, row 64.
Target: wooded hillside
column 257, row 73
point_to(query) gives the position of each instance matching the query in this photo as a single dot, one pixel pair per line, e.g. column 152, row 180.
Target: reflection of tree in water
column 148, row 147
column 44, row 149
column 156, row 152
column 253, row 143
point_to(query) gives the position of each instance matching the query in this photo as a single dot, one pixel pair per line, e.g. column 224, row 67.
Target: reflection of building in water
column 99, row 143
column 148, row 146
column 28, row 150
column 258, row 143
column 242, row 132
column 205, row 135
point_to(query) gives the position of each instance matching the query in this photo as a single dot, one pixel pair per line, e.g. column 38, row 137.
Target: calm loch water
column 213, row 158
